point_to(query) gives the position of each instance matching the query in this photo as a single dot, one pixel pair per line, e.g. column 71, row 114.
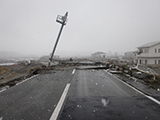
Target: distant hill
column 7, row 54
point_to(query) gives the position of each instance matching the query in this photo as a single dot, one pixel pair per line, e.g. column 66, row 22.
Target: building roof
column 97, row 53
column 149, row 44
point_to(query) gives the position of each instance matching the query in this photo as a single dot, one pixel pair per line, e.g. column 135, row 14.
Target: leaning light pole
column 62, row 20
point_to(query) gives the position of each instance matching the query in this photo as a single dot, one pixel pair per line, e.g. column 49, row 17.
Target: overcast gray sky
column 30, row 27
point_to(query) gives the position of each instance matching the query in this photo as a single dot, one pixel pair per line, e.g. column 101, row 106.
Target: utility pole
column 62, row 20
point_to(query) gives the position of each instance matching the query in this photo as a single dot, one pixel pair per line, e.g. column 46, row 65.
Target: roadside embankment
column 12, row 74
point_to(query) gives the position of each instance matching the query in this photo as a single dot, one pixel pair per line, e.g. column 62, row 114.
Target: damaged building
column 148, row 54
column 99, row 56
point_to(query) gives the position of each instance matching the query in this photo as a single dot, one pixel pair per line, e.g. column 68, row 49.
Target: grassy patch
column 4, row 70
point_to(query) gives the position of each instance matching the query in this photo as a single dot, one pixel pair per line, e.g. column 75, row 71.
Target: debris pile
column 3, row 70
column 12, row 74
column 140, row 73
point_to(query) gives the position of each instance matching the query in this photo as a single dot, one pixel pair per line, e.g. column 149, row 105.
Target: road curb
column 147, row 91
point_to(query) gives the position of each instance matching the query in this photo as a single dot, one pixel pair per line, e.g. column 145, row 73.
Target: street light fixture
column 62, row 20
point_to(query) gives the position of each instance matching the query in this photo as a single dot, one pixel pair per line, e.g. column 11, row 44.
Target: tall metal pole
column 63, row 22
column 55, row 45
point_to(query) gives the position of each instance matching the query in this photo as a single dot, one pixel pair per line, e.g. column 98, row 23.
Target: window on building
column 155, row 61
column 140, row 61
column 155, row 50
column 146, row 50
column 158, row 61
column 158, row 50
column 146, row 62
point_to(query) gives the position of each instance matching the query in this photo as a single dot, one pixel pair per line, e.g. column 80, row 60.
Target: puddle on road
column 105, row 102
column 78, row 106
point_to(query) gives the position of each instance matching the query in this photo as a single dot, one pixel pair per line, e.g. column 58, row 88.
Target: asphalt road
column 34, row 99
column 95, row 94
column 92, row 95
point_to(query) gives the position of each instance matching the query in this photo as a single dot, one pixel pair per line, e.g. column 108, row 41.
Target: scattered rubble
column 3, row 70
column 11, row 75
column 140, row 73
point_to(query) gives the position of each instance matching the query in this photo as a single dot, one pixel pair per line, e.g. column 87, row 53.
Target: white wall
column 151, row 56
column 149, row 61
column 152, row 51
column 99, row 56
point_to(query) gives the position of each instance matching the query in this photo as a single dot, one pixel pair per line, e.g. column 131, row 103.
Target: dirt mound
column 18, row 72
column 4, row 70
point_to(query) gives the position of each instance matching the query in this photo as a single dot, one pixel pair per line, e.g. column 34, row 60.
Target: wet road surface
column 34, row 99
column 97, row 95
column 91, row 95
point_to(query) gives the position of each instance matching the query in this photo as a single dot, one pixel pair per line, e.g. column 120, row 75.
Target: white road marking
column 4, row 88
column 131, row 86
column 19, row 83
column 60, row 103
column 149, row 97
column 2, row 91
column 1, row 118
column 26, row 80
column 73, row 71
column 153, row 99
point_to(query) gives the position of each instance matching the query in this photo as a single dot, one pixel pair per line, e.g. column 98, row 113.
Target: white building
column 148, row 54
column 99, row 56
